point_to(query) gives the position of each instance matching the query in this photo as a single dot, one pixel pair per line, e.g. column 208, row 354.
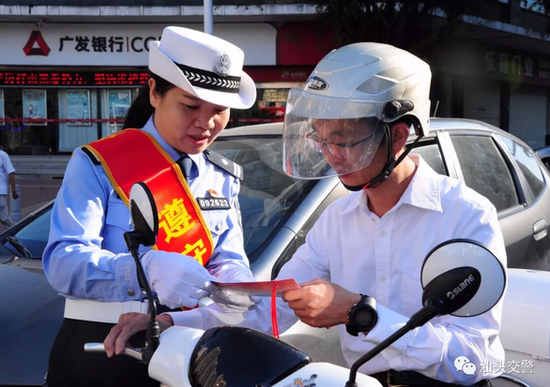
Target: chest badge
column 213, row 201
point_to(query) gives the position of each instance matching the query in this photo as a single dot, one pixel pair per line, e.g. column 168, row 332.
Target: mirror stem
column 431, row 309
column 152, row 334
column 373, row 352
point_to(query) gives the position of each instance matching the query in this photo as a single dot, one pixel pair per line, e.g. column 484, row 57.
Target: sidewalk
column 35, row 191
column 35, row 165
column 39, row 179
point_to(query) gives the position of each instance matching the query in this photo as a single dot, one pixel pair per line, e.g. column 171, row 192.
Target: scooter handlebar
column 136, row 353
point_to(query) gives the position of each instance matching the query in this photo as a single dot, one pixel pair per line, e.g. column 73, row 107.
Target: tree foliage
column 410, row 24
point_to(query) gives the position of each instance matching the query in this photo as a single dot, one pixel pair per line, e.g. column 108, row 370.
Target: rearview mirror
column 465, row 275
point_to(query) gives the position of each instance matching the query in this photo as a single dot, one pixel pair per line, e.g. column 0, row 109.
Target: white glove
column 178, row 279
column 232, row 302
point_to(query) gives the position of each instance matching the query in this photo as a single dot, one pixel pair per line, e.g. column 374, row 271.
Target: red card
column 259, row 288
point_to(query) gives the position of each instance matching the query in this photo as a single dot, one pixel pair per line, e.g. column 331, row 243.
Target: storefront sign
column 279, row 74
column 117, row 44
column 73, row 78
column 36, row 45
column 133, row 78
column 111, row 43
column 304, row 43
column 514, row 66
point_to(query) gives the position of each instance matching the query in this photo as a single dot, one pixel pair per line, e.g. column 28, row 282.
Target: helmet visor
column 326, row 137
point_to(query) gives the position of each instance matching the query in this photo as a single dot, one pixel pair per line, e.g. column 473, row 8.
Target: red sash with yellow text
column 130, row 156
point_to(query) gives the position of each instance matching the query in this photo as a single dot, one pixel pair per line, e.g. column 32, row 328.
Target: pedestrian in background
column 7, row 172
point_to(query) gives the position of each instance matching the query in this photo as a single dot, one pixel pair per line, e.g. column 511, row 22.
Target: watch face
column 363, row 317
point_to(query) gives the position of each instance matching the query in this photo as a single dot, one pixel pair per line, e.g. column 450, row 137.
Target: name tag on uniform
column 213, row 203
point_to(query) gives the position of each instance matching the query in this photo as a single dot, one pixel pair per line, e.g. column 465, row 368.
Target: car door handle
column 539, row 229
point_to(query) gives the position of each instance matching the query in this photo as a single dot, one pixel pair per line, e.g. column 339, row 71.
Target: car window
column 431, row 154
column 528, row 164
column 267, row 194
column 34, row 235
column 300, row 238
column 485, row 170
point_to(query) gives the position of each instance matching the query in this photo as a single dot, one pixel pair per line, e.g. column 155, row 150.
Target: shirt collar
column 359, row 200
column 151, row 129
column 424, row 190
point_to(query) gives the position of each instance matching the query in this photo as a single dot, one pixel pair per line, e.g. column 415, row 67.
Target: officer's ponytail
column 141, row 109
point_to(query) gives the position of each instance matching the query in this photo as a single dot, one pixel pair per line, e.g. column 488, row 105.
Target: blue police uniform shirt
column 86, row 255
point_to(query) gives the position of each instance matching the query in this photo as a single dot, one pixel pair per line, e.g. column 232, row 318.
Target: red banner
column 182, row 228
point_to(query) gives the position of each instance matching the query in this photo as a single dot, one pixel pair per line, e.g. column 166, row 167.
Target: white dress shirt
column 382, row 257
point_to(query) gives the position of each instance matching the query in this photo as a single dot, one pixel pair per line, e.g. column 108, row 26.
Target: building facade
column 69, row 72
column 496, row 68
column 69, row 75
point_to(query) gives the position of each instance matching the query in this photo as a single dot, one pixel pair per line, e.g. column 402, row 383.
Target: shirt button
column 383, row 234
column 383, row 277
column 218, row 226
column 131, row 292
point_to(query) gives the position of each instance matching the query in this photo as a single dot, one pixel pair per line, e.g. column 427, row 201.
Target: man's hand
column 128, row 325
column 11, row 179
column 320, row 303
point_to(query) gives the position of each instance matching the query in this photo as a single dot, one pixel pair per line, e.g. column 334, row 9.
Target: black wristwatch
column 362, row 316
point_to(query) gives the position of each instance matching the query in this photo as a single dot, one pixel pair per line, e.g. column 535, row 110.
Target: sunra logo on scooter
column 463, row 285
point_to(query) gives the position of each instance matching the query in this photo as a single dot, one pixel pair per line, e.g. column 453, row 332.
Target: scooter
column 185, row 357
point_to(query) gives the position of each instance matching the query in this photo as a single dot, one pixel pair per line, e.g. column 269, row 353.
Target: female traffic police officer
column 86, row 259
column 352, row 119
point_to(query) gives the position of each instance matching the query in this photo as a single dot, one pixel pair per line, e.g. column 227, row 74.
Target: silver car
column 544, row 155
column 277, row 212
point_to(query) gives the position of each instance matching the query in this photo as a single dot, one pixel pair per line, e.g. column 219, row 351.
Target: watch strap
column 350, row 327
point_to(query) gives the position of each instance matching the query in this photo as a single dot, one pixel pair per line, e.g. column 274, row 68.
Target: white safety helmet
column 334, row 124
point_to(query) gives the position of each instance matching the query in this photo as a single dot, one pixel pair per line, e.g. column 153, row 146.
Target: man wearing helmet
column 352, row 119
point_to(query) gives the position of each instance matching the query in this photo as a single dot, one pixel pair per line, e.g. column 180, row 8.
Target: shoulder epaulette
column 90, row 155
column 227, row 165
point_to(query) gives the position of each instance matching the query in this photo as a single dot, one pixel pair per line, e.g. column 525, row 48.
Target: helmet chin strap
column 387, row 169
